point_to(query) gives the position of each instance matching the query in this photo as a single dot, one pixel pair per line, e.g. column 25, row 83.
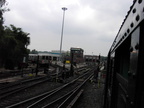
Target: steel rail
column 59, row 99
column 42, row 95
column 65, row 102
column 46, row 97
column 75, row 99
column 20, row 82
column 20, row 89
column 6, row 93
column 31, row 99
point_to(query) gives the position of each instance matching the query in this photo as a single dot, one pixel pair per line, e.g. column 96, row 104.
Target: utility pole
column 64, row 9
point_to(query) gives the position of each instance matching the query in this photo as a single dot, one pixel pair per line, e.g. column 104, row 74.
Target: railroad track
column 24, row 71
column 12, row 92
column 49, row 99
column 16, row 89
column 69, row 99
column 18, row 83
column 13, row 73
column 22, row 82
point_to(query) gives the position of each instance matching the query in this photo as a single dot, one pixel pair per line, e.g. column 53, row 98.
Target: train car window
column 119, row 73
column 46, row 57
column 54, row 58
column 133, row 64
column 75, row 51
column 111, row 70
column 50, row 57
column 123, row 58
column 43, row 57
column 134, row 52
column 78, row 55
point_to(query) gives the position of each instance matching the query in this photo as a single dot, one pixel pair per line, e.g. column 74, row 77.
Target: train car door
column 120, row 80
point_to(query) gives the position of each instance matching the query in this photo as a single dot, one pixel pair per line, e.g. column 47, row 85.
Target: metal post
column 36, row 71
column 64, row 9
column 72, row 68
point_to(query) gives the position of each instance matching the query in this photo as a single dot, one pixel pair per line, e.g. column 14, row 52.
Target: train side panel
column 125, row 68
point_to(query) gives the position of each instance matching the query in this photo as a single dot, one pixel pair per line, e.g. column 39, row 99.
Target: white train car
column 32, row 58
column 44, row 58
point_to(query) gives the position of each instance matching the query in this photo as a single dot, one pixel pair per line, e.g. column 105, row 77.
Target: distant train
column 43, row 58
column 124, row 86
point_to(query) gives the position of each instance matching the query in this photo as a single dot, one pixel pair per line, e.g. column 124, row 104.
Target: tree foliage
column 34, row 51
column 1, row 16
column 3, row 9
column 13, row 42
column 2, row 2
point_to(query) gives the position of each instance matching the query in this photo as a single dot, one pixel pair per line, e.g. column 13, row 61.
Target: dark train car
column 124, row 86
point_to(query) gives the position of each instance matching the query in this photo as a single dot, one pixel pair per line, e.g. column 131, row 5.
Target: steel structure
column 125, row 69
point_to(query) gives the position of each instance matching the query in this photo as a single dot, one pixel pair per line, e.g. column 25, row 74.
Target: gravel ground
column 31, row 92
column 91, row 97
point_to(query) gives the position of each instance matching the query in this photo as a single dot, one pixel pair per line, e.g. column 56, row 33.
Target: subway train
column 43, row 58
column 124, row 85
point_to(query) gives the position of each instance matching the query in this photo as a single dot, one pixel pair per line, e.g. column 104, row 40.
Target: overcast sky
column 89, row 24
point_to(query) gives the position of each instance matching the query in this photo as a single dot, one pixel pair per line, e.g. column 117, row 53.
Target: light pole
column 92, row 58
column 64, row 9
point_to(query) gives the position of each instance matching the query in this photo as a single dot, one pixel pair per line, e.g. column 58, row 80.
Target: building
column 76, row 55
column 91, row 59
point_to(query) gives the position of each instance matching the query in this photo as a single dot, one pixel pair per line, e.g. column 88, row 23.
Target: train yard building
column 77, row 55
column 91, row 59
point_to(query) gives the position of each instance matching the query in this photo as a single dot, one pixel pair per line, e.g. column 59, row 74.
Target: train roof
column 134, row 16
column 45, row 54
column 33, row 54
column 48, row 54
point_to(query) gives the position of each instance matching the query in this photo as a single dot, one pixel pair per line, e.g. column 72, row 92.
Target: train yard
column 46, row 91
column 71, row 79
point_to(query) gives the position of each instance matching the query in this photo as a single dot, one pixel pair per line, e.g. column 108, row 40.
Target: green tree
column 34, row 51
column 3, row 9
column 13, row 42
column 2, row 3
column 16, row 41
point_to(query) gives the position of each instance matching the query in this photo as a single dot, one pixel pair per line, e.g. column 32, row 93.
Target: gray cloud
column 89, row 24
